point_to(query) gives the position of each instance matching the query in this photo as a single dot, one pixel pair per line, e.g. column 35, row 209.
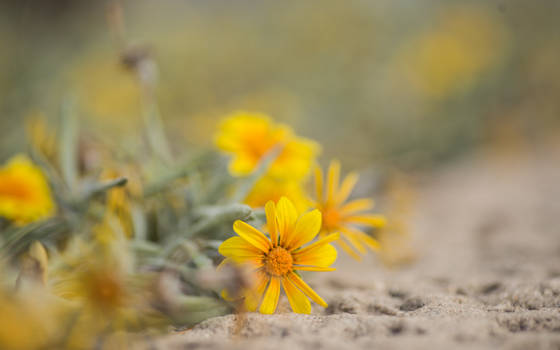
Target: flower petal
column 307, row 227
column 253, row 296
column 319, row 184
column 357, row 206
column 351, row 237
column 271, row 296
column 349, row 249
column 242, row 164
column 252, row 235
column 346, row 187
column 322, row 255
column 298, row 301
column 322, row 241
column 304, row 287
column 371, row 242
column 368, row 220
column 314, row 268
column 287, row 216
column 237, row 246
column 239, row 251
column 270, row 210
column 333, row 179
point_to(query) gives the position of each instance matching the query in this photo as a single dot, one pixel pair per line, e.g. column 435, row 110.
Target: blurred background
column 406, row 83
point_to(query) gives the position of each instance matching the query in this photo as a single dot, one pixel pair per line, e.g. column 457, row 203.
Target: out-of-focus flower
column 465, row 41
column 108, row 91
column 249, row 137
column 270, row 189
column 97, row 278
column 340, row 215
column 276, row 259
column 25, row 195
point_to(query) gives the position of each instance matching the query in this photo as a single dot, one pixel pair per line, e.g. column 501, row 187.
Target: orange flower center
column 278, row 261
column 331, row 218
column 106, row 291
column 257, row 144
column 11, row 186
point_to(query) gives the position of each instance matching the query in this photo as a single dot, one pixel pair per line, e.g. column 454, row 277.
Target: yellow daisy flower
column 343, row 216
column 276, row 259
column 25, row 195
column 250, row 137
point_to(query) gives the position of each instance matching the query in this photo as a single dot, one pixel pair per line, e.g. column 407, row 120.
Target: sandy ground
column 487, row 236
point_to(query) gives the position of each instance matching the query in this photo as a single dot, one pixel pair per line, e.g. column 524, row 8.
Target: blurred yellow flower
column 251, row 136
column 96, row 277
column 277, row 258
column 465, row 41
column 270, row 189
column 25, row 195
column 342, row 216
column 107, row 90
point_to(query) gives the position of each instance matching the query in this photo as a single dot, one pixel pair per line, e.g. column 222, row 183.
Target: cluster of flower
column 99, row 243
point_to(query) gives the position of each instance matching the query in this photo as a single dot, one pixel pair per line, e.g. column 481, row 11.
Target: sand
column 486, row 232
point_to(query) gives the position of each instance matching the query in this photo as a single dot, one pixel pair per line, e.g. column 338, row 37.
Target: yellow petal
column 371, row 242
column 348, row 249
column 286, row 215
column 346, row 188
column 351, row 237
column 242, row 165
column 332, row 179
column 270, row 210
column 252, row 235
column 307, row 227
column 369, row 220
column 237, row 246
column 298, row 301
column 253, row 297
column 323, row 255
column 298, row 282
column 314, row 268
column 322, row 241
column 357, row 205
column 319, row 184
column 271, row 297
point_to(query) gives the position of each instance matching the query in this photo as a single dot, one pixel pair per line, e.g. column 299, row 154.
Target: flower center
column 278, row 261
column 11, row 187
column 331, row 218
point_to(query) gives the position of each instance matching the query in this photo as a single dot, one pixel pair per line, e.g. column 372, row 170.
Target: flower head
column 343, row 216
column 25, row 195
column 277, row 258
column 250, row 137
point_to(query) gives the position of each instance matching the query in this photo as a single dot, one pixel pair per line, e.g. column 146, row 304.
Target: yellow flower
column 276, row 259
column 463, row 42
column 25, row 195
column 343, row 216
column 250, row 137
column 270, row 189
